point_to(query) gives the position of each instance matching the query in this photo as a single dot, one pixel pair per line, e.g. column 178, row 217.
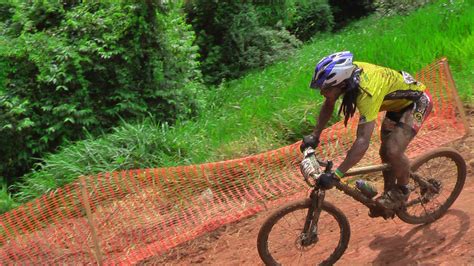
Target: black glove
column 309, row 141
column 327, row 180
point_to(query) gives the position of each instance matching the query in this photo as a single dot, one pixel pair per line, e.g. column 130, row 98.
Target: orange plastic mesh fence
column 125, row 217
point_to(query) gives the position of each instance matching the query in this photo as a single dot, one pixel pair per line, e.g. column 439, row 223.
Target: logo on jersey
column 408, row 78
column 418, row 116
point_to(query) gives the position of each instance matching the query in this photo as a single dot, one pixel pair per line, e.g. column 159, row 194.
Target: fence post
column 456, row 96
column 87, row 207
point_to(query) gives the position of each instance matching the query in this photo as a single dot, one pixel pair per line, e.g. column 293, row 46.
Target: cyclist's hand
column 327, row 180
column 309, row 141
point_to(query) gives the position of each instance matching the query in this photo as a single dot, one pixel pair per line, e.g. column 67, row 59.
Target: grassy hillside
column 272, row 107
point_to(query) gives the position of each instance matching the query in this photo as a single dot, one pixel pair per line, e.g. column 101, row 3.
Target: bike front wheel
column 281, row 240
column 437, row 180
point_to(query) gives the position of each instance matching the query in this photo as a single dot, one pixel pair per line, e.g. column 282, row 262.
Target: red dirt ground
column 448, row 241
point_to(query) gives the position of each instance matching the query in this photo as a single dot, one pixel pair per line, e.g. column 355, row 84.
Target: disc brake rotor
column 305, row 241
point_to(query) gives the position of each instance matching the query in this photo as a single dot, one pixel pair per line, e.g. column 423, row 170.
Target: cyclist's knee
column 389, row 153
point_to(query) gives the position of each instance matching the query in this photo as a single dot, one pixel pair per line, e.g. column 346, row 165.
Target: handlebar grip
column 308, row 152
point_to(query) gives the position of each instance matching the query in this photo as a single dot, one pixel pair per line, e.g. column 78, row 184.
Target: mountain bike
column 312, row 230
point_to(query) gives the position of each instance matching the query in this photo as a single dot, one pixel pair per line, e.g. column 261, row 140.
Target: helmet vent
column 326, row 63
column 319, row 76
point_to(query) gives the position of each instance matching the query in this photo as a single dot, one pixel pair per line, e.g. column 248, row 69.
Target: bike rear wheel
column 279, row 240
column 445, row 170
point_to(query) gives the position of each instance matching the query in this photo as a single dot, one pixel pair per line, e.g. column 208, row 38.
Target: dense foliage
column 232, row 39
column 235, row 36
column 302, row 18
column 394, row 7
column 71, row 67
column 311, row 17
column 76, row 67
column 345, row 11
column 106, row 59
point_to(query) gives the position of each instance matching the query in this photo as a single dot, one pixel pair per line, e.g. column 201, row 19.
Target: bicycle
column 306, row 219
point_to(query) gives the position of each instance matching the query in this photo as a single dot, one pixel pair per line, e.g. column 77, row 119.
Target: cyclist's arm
column 359, row 147
column 324, row 116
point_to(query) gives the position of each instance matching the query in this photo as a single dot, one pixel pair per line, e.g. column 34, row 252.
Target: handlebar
column 311, row 166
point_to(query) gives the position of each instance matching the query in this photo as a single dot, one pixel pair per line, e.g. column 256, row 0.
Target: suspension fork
column 320, row 194
column 314, row 211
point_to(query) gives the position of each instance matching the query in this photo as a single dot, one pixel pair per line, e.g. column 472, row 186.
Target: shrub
column 232, row 40
column 128, row 146
column 275, row 13
column 81, row 66
column 398, row 7
column 311, row 16
column 346, row 11
column 6, row 201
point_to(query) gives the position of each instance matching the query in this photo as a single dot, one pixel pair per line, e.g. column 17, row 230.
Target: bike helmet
column 332, row 70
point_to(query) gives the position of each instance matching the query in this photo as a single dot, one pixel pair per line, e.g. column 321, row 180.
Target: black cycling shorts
column 420, row 108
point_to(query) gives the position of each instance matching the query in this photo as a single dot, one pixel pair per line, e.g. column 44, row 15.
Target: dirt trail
column 448, row 241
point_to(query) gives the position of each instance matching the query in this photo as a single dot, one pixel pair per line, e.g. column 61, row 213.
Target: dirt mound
column 447, row 241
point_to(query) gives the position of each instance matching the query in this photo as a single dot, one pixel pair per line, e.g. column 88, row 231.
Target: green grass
column 271, row 107
column 6, row 201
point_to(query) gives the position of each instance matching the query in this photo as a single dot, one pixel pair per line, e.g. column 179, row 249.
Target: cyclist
column 372, row 89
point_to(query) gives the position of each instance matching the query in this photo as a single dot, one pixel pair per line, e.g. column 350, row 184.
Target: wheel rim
column 285, row 240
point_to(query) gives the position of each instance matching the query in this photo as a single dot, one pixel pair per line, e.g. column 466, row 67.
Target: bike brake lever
column 322, row 162
column 328, row 167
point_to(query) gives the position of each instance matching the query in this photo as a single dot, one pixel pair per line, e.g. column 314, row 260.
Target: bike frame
column 355, row 193
column 317, row 174
column 309, row 233
column 317, row 196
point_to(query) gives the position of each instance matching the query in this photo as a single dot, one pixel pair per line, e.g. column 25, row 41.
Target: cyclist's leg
column 396, row 134
column 387, row 126
column 394, row 143
column 392, row 148
column 398, row 129
column 392, row 151
column 395, row 146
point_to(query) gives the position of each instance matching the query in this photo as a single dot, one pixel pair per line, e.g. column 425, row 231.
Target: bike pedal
column 389, row 214
column 373, row 213
column 386, row 214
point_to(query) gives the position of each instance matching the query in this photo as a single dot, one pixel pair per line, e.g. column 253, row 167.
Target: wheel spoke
column 441, row 172
column 444, row 196
column 299, row 220
column 289, row 228
column 299, row 259
column 284, row 242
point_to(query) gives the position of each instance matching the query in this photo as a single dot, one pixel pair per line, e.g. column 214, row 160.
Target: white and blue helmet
column 332, row 70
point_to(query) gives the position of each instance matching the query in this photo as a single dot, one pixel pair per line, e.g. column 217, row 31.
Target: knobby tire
column 338, row 215
column 458, row 160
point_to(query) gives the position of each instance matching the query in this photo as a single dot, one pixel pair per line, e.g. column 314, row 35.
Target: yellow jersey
column 376, row 83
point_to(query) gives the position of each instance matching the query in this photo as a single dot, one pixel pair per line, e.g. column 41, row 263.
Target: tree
column 76, row 66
